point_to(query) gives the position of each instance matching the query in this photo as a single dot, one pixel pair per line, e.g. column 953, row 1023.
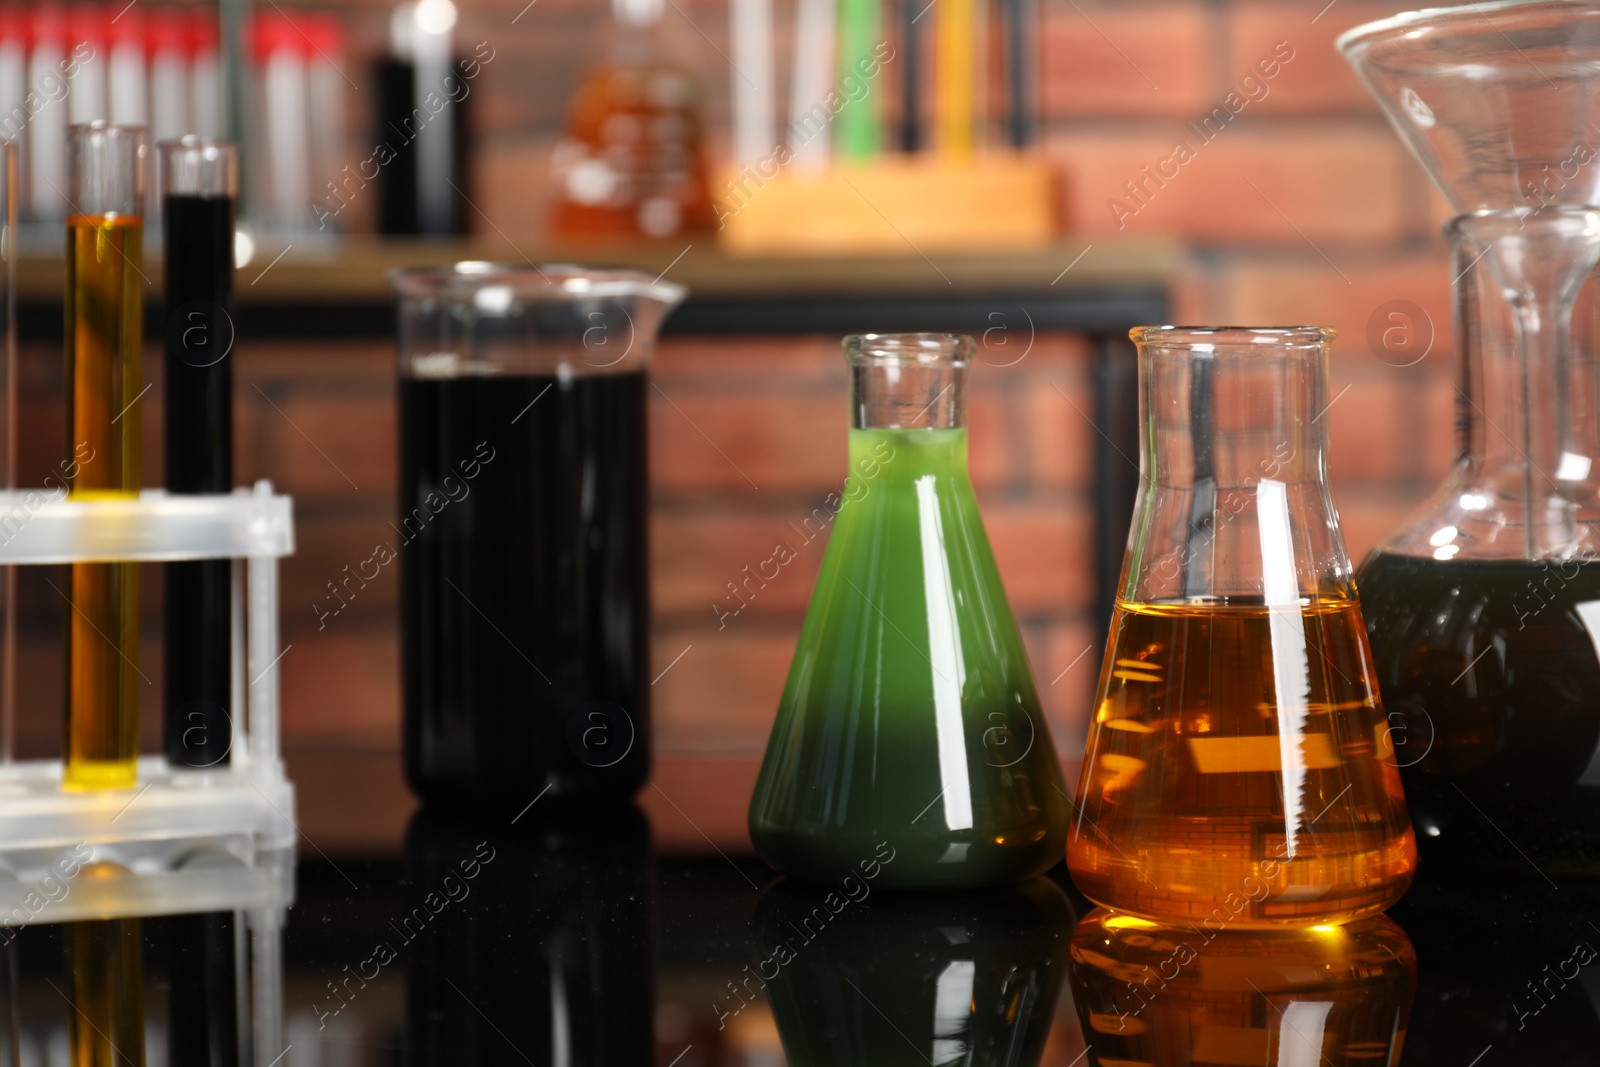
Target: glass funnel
column 1499, row 102
column 1237, row 769
column 910, row 721
column 1483, row 609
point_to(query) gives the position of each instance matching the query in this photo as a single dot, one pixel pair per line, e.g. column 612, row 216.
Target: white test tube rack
column 191, row 840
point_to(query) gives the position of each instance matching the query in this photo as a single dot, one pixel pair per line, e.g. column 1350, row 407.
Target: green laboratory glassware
column 910, row 723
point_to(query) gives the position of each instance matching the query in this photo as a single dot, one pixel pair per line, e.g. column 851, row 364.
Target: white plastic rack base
column 234, row 822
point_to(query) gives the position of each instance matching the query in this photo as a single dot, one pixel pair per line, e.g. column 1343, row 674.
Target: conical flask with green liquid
column 910, row 727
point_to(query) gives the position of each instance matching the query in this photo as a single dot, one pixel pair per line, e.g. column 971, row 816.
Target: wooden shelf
column 354, row 271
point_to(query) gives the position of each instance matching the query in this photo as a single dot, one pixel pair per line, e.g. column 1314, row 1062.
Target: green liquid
column 910, row 715
column 939, row 978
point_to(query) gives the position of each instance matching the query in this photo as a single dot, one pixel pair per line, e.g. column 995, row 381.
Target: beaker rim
column 1444, row 16
column 533, row 281
column 1234, row 336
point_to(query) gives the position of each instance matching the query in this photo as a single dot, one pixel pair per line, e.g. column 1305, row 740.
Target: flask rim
column 1210, row 337
column 1496, row 222
column 925, row 349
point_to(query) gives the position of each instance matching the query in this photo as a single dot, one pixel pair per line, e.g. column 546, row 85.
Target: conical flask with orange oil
column 1239, row 770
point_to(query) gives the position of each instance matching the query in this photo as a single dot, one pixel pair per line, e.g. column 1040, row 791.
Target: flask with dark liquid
column 1484, row 609
column 1238, row 770
column 522, row 533
column 910, row 722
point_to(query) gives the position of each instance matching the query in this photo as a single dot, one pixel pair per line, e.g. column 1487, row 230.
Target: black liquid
column 524, row 588
column 1492, row 686
column 400, row 120
column 203, row 1027
column 198, row 330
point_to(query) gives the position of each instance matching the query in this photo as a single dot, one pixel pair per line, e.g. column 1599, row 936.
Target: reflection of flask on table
column 104, row 316
column 1484, row 609
column 861, row 978
column 1238, row 763
column 630, row 163
column 1186, row 994
column 536, row 937
column 910, row 717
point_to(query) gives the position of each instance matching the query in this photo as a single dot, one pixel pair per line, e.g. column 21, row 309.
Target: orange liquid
column 1185, row 808
column 105, row 969
column 1333, row 996
column 630, row 164
column 104, row 323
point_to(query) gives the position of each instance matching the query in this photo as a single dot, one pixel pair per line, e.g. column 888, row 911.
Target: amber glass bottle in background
column 104, row 335
column 1238, row 767
column 910, row 724
column 1484, row 609
column 630, row 164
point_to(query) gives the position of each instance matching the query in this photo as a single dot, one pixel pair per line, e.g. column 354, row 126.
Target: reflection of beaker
column 1180, row 995
column 1484, row 609
column 528, row 940
column 859, row 977
column 1236, row 763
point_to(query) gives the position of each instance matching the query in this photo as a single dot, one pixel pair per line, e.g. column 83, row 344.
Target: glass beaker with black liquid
column 522, row 533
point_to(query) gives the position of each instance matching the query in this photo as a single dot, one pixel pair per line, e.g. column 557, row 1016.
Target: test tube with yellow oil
column 104, row 328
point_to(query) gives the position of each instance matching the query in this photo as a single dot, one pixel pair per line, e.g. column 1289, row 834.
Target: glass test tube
column 104, row 327
column 8, row 434
column 199, row 180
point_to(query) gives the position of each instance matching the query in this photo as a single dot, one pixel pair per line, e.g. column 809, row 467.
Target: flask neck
column 1528, row 421
column 1233, row 502
column 908, row 381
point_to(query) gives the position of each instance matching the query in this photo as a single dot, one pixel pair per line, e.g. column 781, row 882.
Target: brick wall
column 1305, row 208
